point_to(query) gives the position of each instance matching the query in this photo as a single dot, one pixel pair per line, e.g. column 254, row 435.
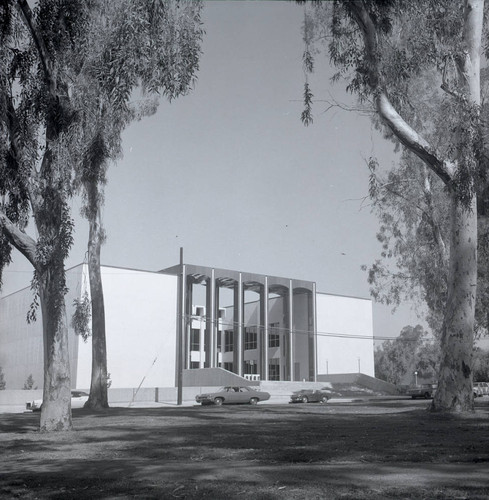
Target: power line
column 286, row 330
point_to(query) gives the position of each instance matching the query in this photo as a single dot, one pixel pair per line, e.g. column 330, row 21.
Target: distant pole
column 181, row 330
column 327, row 368
column 359, row 365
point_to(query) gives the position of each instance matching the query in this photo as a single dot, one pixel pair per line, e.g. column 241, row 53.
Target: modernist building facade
column 188, row 317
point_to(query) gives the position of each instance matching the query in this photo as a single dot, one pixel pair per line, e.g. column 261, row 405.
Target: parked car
column 311, row 396
column 78, row 399
column 482, row 388
column 422, row 391
column 233, row 395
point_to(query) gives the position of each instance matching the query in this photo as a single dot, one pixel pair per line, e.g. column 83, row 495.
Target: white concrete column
column 290, row 354
column 201, row 343
column 238, row 327
column 264, row 331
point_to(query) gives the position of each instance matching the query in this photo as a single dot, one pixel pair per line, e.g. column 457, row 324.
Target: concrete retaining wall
column 361, row 380
column 215, row 377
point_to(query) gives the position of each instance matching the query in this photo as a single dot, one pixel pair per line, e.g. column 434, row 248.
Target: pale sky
column 230, row 174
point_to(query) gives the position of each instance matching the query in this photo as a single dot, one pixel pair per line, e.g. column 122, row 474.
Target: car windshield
column 235, row 389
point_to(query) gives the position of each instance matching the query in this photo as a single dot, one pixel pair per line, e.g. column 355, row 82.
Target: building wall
column 21, row 343
column 336, row 316
column 141, row 316
column 141, row 321
column 21, row 347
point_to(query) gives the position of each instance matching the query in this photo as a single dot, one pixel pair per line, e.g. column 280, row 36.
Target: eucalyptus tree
column 37, row 50
column 384, row 48
column 410, row 205
column 139, row 52
column 55, row 116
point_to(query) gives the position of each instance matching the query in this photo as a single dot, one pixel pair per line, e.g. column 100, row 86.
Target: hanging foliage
column 80, row 320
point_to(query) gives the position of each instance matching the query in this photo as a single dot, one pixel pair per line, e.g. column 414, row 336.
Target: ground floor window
column 250, row 367
column 274, row 369
column 228, row 367
column 194, row 365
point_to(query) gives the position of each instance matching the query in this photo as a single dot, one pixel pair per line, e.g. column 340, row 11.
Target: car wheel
column 324, row 399
column 427, row 395
column 218, row 401
column 305, row 399
column 253, row 401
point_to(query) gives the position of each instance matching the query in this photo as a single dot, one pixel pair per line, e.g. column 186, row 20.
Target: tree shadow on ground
column 156, row 449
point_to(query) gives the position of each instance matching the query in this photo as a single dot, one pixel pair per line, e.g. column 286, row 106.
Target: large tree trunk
column 454, row 391
column 98, row 388
column 56, row 405
column 457, row 343
column 455, row 376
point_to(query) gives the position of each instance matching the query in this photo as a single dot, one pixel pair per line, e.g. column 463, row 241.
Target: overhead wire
column 295, row 331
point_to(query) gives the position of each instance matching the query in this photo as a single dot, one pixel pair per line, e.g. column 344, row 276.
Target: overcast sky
column 230, row 174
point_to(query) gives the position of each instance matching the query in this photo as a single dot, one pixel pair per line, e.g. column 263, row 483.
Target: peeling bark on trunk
column 454, row 391
column 56, row 405
column 98, row 387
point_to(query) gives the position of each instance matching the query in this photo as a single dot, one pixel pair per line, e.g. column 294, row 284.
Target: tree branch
column 26, row 14
column 21, row 241
column 14, row 129
column 404, row 132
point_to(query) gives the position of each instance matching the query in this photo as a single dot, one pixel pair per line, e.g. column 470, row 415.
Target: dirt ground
column 362, row 450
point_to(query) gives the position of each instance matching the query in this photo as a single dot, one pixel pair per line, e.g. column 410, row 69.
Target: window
column 250, row 367
column 228, row 367
column 195, row 339
column 274, row 369
column 250, row 338
column 228, row 340
column 194, row 364
column 274, row 336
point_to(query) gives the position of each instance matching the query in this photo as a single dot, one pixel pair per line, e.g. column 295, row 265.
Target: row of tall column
column 213, row 286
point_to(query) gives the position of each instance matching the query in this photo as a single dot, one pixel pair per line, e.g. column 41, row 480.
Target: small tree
column 3, row 384
column 398, row 359
column 29, row 383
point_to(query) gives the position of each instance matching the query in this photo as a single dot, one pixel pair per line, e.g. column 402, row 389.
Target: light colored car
column 482, row 388
column 311, row 396
column 78, row 399
column 233, row 395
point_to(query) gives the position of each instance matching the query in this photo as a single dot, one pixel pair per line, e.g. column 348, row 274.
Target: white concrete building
column 255, row 326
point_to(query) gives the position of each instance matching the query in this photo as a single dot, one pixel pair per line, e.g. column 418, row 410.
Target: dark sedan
column 311, row 396
column 425, row 391
column 233, row 395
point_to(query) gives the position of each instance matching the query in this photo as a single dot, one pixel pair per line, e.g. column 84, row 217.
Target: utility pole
column 181, row 328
